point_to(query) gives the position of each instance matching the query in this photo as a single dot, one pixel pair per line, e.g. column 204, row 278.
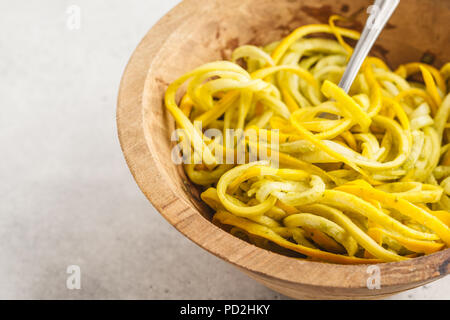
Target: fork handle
column 374, row 25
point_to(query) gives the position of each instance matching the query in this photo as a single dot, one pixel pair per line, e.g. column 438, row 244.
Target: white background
column 66, row 195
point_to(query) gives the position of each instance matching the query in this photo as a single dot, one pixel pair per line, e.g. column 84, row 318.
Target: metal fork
column 381, row 12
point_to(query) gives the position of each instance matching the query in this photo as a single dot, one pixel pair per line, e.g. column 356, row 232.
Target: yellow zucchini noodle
column 360, row 177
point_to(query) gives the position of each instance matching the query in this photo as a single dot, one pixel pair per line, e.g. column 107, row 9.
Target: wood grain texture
column 199, row 31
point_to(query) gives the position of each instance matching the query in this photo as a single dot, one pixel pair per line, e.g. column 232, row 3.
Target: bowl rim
column 137, row 146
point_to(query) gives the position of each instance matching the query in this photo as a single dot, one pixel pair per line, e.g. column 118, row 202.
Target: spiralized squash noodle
column 361, row 177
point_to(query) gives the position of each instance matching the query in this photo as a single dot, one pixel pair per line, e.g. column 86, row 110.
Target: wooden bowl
column 199, row 31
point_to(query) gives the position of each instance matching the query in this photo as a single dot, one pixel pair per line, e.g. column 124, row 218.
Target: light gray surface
column 66, row 195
